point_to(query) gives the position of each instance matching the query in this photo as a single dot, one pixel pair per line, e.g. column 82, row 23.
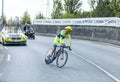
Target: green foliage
column 72, row 9
column 102, row 9
column 67, row 16
column 86, row 14
column 0, row 20
column 105, row 8
column 57, row 9
column 10, row 21
column 26, row 18
column 115, row 7
column 40, row 16
column 4, row 19
column 72, row 6
column 92, row 4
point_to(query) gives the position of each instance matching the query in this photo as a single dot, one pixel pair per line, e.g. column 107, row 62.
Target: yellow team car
column 12, row 35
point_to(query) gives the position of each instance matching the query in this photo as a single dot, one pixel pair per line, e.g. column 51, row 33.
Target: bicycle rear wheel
column 48, row 61
column 62, row 59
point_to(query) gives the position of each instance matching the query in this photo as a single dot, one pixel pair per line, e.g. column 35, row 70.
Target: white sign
column 110, row 21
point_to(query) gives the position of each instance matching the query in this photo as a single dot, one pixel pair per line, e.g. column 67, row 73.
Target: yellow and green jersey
column 60, row 36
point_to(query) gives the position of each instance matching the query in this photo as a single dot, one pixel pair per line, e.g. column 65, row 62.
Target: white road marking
column 97, row 66
column 9, row 57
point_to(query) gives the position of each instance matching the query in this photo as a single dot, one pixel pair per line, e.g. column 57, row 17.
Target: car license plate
column 15, row 40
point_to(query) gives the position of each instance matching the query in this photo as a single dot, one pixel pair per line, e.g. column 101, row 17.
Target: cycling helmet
column 69, row 28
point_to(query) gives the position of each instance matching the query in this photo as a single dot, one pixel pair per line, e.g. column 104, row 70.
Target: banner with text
column 110, row 21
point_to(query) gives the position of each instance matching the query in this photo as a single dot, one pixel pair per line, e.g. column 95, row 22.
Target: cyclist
column 59, row 39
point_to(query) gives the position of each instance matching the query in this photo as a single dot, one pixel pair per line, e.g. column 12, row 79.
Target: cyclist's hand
column 70, row 48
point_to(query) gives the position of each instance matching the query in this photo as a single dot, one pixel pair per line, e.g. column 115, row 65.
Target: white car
column 12, row 35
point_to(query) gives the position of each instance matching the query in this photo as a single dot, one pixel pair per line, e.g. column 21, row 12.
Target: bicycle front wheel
column 62, row 59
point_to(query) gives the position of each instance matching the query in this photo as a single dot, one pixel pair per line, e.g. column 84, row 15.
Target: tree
column 72, row 6
column 102, row 9
column 67, row 16
column 0, row 19
column 105, row 8
column 115, row 7
column 3, row 20
column 40, row 16
column 85, row 14
column 26, row 18
column 93, row 4
column 10, row 21
column 57, row 9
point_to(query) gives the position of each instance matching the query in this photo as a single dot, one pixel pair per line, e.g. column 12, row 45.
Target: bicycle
column 60, row 54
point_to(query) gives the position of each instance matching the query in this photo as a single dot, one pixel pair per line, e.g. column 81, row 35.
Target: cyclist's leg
column 53, row 49
column 56, row 42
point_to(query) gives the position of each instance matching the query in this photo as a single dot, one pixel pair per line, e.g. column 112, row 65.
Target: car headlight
column 8, row 37
column 23, row 37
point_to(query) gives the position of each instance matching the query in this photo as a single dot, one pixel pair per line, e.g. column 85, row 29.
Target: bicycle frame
column 59, row 51
column 59, row 54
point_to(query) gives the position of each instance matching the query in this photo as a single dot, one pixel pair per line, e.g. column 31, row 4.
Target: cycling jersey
column 60, row 36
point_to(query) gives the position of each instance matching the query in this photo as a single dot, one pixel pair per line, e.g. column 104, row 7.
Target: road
column 88, row 62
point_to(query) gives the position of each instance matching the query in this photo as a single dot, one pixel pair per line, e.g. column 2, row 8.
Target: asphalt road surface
column 88, row 62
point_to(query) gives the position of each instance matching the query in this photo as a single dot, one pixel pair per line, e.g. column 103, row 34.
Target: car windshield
column 13, row 30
